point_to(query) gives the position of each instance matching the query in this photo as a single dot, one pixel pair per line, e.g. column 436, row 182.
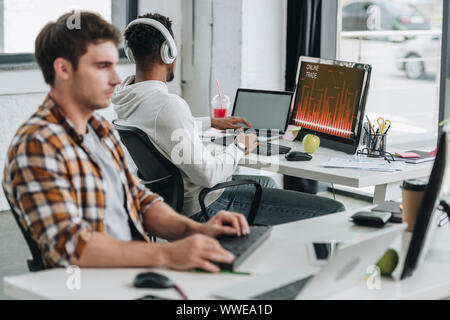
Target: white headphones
column 168, row 48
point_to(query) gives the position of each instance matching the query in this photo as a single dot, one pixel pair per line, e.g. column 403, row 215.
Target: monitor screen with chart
column 329, row 101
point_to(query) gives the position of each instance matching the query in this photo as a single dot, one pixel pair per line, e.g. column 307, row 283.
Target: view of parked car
column 382, row 15
column 419, row 57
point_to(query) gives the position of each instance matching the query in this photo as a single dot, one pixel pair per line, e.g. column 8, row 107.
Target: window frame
column 329, row 47
column 130, row 7
column 444, row 81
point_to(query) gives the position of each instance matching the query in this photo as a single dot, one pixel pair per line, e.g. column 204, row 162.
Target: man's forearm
column 105, row 251
column 162, row 221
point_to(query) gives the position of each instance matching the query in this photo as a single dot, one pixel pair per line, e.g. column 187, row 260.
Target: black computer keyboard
column 243, row 246
column 264, row 148
column 287, row 292
column 268, row 149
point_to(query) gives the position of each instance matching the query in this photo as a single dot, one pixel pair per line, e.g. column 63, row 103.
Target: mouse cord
column 334, row 193
column 180, row 292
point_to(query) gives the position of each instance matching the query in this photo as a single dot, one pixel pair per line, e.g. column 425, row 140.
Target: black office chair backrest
column 36, row 263
column 157, row 172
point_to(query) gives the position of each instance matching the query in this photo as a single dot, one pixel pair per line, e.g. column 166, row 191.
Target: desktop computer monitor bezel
column 328, row 140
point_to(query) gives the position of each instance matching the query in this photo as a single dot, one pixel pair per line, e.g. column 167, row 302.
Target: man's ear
column 63, row 68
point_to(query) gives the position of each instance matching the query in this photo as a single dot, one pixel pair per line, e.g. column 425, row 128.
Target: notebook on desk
column 423, row 157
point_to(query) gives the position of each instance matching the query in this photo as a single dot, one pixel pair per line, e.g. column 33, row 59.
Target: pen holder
column 374, row 144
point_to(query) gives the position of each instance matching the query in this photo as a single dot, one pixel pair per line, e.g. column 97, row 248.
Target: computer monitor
column 264, row 109
column 426, row 223
column 329, row 101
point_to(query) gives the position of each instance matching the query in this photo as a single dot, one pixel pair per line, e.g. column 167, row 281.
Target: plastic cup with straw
column 220, row 103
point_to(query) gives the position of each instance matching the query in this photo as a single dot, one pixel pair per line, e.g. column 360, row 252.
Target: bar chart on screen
column 328, row 99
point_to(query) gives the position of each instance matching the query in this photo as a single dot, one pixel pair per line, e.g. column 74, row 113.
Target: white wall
column 196, row 55
column 171, row 9
column 263, row 44
column 239, row 42
column 228, row 47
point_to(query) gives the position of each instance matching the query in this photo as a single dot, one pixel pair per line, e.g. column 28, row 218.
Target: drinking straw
column 220, row 96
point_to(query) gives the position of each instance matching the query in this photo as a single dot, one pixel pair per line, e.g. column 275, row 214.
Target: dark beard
column 170, row 77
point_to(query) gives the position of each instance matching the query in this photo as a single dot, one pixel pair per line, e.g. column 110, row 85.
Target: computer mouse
column 152, row 280
column 297, row 156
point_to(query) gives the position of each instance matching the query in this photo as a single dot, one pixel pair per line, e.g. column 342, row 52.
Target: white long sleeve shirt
column 168, row 121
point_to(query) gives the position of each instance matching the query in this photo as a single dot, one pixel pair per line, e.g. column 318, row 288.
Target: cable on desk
column 180, row 292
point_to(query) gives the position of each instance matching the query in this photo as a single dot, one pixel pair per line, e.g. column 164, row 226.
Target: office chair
column 163, row 177
column 35, row 263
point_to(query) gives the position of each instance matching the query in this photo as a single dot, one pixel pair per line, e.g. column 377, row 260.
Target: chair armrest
column 255, row 203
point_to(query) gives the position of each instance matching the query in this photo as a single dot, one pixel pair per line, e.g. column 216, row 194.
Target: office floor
column 14, row 250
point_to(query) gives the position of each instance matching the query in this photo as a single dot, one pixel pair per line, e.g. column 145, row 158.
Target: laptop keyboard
column 243, row 246
column 287, row 292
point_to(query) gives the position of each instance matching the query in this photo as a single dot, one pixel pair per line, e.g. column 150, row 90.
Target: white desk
column 386, row 183
column 285, row 248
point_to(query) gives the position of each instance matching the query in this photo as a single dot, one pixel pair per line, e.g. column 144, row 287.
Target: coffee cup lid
column 414, row 185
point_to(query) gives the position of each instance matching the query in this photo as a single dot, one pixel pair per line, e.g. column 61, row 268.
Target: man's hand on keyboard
column 229, row 123
column 195, row 251
column 225, row 222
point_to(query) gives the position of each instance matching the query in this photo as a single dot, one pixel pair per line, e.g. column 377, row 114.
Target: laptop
column 267, row 111
column 343, row 270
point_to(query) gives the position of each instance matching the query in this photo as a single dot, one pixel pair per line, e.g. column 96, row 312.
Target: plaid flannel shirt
column 56, row 186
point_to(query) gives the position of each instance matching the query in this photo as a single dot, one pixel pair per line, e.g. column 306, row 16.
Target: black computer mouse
column 152, row 280
column 297, row 156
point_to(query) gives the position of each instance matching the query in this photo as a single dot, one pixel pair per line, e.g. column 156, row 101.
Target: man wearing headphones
column 143, row 101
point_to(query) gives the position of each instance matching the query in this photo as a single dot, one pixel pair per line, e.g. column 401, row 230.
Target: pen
column 242, row 273
column 387, row 130
column 368, row 138
column 370, row 124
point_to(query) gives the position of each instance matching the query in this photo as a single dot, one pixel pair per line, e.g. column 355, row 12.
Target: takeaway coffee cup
column 412, row 194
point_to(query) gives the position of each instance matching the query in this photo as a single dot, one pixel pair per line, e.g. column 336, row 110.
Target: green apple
column 310, row 143
column 388, row 262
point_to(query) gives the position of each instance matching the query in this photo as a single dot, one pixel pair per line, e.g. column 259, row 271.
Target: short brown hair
column 57, row 40
column 145, row 41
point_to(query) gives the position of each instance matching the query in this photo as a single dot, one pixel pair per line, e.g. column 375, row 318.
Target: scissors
column 383, row 124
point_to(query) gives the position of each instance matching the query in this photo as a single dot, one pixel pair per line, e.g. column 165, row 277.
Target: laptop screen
column 263, row 109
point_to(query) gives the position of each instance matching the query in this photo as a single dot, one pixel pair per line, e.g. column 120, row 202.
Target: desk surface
column 313, row 169
column 432, row 281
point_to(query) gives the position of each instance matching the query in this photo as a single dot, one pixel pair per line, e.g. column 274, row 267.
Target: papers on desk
column 365, row 164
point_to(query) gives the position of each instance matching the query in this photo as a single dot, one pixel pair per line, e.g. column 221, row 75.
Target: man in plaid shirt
column 66, row 173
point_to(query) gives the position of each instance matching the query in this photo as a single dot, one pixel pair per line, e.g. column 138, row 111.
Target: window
column 401, row 39
column 21, row 21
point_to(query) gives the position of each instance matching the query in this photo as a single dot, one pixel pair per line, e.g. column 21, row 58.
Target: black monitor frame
column 427, row 208
column 327, row 140
column 287, row 93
